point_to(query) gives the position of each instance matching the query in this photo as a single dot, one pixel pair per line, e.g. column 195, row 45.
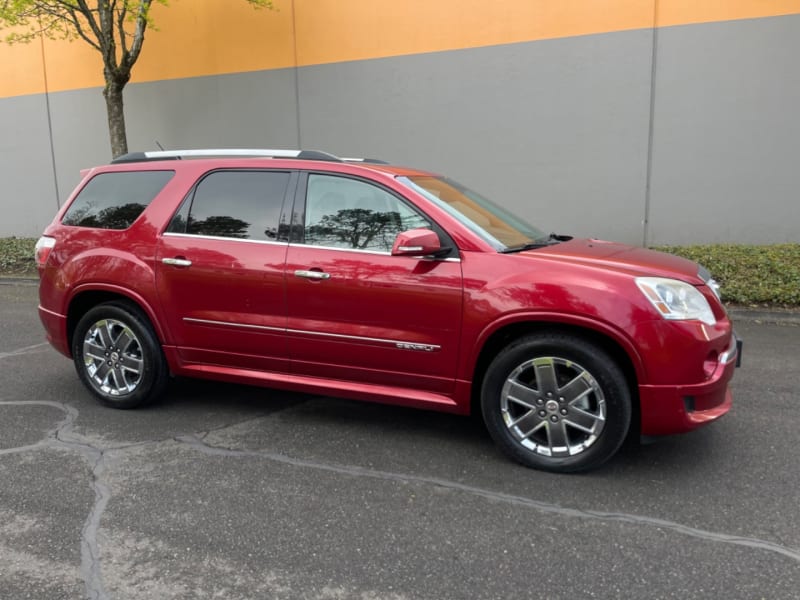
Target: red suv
column 350, row 277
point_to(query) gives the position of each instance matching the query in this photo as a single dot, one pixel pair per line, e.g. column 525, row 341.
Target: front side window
column 496, row 225
column 347, row 213
column 243, row 205
column 115, row 200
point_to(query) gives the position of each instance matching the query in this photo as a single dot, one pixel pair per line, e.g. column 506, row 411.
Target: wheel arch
column 621, row 350
column 86, row 297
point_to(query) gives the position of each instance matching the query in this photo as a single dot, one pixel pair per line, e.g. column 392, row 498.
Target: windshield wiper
column 551, row 239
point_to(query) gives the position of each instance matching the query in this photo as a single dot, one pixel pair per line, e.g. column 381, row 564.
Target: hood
column 622, row 257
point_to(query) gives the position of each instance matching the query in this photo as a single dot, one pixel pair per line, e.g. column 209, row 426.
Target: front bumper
column 671, row 409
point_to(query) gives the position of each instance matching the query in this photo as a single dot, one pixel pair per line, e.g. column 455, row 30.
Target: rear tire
column 118, row 356
column 556, row 402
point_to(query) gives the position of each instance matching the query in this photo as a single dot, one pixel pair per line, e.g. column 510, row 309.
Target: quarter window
column 347, row 213
column 244, row 205
column 115, row 200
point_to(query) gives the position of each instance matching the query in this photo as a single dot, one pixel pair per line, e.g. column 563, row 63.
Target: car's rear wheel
column 118, row 356
column 556, row 402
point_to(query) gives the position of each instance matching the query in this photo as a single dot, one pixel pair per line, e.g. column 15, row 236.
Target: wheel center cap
column 551, row 406
column 115, row 356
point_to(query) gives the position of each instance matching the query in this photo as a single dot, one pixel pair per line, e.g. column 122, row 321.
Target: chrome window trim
column 222, row 238
column 399, row 344
column 304, row 245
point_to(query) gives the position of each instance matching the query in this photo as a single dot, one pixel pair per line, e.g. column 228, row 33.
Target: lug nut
column 554, row 419
column 542, row 413
column 563, row 411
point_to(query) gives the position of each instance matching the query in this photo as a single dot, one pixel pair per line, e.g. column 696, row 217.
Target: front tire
column 556, row 402
column 118, row 356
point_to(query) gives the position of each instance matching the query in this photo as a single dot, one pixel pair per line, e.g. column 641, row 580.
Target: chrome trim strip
column 396, row 343
column 341, row 249
column 230, row 324
column 400, row 345
column 223, row 239
column 730, row 354
column 301, row 245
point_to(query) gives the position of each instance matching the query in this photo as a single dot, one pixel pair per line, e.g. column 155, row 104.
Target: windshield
column 494, row 224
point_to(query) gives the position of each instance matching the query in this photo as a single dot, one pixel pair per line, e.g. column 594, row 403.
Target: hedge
column 749, row 275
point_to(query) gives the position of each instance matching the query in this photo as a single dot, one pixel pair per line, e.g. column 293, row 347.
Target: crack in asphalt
column 25, row 350
column 63, row 436
column 199, row 443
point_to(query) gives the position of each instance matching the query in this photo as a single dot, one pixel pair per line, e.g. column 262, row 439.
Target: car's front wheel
column 556, row 402
column 118, row 356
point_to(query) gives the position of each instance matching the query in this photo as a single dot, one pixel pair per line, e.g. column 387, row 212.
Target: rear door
column 220, row 270
column 355, row 312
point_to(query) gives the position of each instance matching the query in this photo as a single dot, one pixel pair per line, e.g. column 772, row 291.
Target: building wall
column 646, row 121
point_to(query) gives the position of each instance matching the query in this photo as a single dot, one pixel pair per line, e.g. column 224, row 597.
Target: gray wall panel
column 27, row 196
column 556, row 130
column 726, row 140
column 242, row 110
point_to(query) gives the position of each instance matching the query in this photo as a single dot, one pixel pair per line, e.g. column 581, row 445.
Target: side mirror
column 416, row 242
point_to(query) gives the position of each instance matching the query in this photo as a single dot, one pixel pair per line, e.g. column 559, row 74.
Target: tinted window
column 347, row 213
column 115, row 200
column 236, row 204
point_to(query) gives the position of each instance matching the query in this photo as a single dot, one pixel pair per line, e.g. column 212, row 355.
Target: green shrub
column 16, row 256
column 750, row 275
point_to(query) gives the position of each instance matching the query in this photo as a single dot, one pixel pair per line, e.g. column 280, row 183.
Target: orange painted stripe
column 212, row 37
column 397, row 27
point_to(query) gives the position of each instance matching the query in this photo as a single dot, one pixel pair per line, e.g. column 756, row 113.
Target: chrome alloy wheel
column 553, row 407
column 112, row 357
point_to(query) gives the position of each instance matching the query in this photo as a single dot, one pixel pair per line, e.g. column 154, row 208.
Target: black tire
column 118, row 356
column 538, row 420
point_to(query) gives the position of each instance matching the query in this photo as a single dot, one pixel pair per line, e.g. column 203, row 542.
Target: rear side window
column 115, row 200
column 244, row 205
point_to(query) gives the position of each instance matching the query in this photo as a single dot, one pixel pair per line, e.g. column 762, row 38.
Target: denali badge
column 422, row 347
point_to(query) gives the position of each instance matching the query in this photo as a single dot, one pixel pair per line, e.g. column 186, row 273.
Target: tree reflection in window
column 359, row 228
column 114, row 217
column 115, row 200
column 219, row 225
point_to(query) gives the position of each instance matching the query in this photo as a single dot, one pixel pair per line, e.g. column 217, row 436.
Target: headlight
column 676, row 300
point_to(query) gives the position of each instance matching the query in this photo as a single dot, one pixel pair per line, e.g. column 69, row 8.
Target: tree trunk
column 116, row 118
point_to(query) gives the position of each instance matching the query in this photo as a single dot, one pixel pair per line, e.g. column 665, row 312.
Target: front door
column 357, row 313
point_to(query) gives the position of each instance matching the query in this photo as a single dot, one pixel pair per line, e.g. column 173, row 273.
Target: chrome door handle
column 177, row 262
column 312, row 274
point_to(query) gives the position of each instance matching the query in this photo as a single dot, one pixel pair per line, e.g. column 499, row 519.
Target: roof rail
column 223, row 152
column 372, row 161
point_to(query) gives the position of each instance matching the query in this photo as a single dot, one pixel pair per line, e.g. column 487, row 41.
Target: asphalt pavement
column 224, row 491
